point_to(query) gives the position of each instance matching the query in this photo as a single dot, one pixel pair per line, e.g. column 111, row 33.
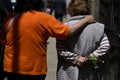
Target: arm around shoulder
column 78, row 26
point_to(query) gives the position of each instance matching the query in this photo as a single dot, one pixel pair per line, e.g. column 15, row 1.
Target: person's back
column 87, row 40
column 26, row 39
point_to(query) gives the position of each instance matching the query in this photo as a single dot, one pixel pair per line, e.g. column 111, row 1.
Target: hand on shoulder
column 90, row 19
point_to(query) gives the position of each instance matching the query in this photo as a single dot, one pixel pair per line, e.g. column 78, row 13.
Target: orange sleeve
column 56, row 28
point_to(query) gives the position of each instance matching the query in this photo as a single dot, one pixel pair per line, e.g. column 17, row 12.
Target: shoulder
column 97, row 25
column 94, row 28
column 43, row 15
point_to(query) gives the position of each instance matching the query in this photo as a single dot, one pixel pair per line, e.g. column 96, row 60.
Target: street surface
column 51, row 60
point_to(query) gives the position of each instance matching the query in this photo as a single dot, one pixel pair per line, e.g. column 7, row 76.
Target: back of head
column 26, row 5
column 78, row 7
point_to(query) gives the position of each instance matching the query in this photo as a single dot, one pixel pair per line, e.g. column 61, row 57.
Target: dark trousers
column 14, row 76
column 59, row 17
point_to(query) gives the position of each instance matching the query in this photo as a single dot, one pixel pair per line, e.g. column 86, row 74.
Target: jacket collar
column 77, row 17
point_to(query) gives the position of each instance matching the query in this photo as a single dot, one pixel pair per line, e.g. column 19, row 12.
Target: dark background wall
column 109, row 14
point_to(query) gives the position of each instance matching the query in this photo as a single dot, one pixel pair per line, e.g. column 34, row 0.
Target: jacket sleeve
column 65, row 53
column 103, row 47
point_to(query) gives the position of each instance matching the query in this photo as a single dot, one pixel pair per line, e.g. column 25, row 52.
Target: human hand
column 90, row 19
column 81, row 61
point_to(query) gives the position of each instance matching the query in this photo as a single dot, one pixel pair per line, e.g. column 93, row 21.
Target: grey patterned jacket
column 90, row 41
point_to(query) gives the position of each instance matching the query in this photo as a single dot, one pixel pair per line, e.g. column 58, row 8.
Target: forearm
column 69, row 56
column 63, row 51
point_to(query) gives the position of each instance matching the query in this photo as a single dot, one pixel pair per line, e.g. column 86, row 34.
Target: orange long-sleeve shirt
column 25, row 50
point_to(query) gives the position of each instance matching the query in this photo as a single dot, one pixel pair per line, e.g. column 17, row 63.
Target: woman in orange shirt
column 26, row 40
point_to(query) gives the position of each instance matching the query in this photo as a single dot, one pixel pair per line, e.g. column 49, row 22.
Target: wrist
column 85, row 21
